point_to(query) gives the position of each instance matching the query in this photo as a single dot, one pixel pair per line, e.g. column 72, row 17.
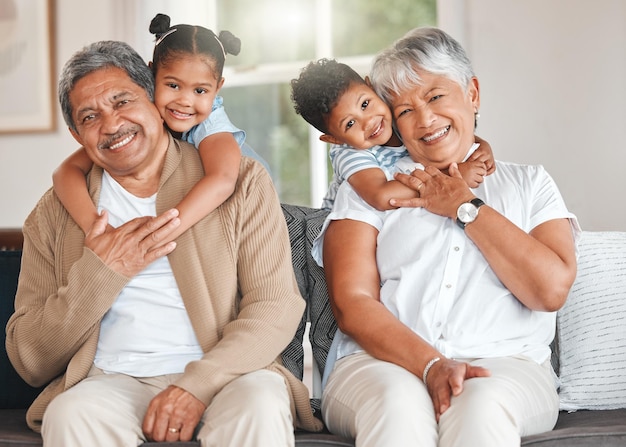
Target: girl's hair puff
column 190, row 39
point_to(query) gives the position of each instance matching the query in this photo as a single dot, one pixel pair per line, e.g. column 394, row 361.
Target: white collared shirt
column 437, row 282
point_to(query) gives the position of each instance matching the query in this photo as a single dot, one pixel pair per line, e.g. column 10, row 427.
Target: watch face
column 467, row 212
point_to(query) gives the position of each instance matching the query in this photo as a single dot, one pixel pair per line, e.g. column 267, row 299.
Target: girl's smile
column 185, row 89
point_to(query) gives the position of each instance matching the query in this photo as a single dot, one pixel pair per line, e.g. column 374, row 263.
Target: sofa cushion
column 583, row 429
column 304, row 225
column 591, row 327
column 293, row 355
column 14, row 392
column 323, row 324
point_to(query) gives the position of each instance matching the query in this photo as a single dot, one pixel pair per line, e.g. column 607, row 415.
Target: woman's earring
column 476, row 115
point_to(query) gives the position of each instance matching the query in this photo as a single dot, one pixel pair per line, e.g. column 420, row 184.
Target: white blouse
column 437, row 282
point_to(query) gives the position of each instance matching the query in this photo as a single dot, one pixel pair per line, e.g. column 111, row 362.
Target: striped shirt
column 347, row 161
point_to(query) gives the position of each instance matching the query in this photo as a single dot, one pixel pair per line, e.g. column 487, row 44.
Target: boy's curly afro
column 318, row 89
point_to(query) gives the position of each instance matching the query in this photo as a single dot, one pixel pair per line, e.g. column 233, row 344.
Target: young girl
column 187, row 64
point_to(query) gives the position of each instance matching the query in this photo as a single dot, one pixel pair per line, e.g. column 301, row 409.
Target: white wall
column 553, row 84
column 553, row 77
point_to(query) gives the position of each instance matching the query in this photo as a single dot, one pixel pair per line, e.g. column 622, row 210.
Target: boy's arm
column 373, row 187
column 71, row 187
column 220, row 155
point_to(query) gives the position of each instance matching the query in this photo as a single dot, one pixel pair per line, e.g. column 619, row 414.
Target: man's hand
column 172, row 415
column 445, row 379
column 129, row 248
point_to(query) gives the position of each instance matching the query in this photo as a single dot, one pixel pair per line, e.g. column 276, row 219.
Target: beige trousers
column 107, row 410
column 381, row 404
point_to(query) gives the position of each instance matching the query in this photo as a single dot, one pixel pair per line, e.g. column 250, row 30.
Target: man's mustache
column 118, row 136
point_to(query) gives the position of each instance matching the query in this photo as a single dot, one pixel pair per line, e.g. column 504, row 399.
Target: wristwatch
column 467, row 212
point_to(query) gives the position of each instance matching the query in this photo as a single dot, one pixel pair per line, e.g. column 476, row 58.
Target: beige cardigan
column 233, row 269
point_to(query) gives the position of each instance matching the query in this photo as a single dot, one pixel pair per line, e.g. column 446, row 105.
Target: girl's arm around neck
column 70, row 186
column 221, row 156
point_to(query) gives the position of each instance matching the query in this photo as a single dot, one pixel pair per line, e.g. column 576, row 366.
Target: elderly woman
column 446, row 306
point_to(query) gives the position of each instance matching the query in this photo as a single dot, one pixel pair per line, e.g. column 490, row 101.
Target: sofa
column 589, row 350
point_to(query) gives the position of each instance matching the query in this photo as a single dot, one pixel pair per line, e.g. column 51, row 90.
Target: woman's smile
column 437, row 135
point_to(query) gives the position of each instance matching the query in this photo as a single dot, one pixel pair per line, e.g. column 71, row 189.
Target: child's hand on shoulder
column 473, row 172
column 485, row 154
column 478, row 165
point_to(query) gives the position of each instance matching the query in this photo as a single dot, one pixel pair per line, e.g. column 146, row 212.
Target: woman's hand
column 445, row 379
column 439, row 193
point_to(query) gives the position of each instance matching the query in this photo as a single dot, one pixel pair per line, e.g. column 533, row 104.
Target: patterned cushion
column 323, row 325
column 304, row 224
column 293, row 355
column 591, row 327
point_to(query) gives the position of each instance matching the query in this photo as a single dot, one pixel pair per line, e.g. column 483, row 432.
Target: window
column 279, row 37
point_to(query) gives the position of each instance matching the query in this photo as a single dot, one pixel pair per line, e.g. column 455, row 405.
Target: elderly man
column 136, row 336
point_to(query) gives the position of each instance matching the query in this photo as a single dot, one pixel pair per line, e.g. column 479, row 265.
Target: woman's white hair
column 429, row 49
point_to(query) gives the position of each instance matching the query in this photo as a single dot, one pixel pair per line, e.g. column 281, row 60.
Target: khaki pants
column 381, row 404
column 107, row 410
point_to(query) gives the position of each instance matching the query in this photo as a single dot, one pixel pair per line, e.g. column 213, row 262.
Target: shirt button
column 456, row 248
column 438, row 324
column 448, row 286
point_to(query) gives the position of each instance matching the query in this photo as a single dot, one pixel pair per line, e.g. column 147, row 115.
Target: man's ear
column 330, row 139
column 77, row 137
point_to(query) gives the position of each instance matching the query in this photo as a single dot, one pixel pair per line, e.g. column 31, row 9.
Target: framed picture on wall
column 27, row 93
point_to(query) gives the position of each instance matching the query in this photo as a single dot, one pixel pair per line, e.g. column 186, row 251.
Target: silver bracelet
column 427, row 368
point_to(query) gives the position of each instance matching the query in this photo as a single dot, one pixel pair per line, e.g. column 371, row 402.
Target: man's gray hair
column 95, row 57
column 429, row 49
